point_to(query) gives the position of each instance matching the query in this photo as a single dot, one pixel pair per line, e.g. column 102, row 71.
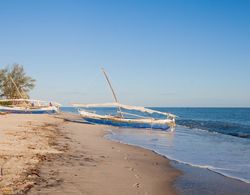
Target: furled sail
column 127, row 107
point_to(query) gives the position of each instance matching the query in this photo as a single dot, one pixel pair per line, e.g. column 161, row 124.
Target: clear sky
column 157, row 53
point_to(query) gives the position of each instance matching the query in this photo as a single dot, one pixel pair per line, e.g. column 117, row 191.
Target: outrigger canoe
column 149, row 123
column 133, row 121
column 28, row 106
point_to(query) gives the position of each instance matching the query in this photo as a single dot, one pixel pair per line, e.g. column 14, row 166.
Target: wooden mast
column 17, row 89
column 112, row 90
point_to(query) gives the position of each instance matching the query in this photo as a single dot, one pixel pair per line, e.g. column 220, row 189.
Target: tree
column 14, row 83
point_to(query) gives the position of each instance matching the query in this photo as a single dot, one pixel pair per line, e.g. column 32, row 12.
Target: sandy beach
column 55, row 154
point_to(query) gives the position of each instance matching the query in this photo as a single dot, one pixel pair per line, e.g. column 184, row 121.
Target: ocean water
column 217, row 139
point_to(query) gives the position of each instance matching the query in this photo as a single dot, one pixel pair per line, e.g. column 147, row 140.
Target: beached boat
column 24, row 105
column 28, row 106
column 126, row 119
column 122, row 119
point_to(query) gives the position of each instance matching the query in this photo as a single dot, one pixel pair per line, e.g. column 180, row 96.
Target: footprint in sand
column 130, row 168
column 133, row 169
column 137, row 185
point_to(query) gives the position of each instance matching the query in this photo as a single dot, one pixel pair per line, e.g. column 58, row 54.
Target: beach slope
column 71, row 157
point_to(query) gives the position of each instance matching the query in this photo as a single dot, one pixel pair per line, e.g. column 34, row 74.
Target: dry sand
column 25, row 140
column 42, row 154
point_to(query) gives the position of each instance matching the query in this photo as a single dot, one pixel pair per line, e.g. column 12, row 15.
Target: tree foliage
column 14, row 83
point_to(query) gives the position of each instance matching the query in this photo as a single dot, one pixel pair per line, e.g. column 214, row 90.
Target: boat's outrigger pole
column 113, row 92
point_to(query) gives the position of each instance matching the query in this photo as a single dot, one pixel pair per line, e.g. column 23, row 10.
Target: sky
column 191, row 53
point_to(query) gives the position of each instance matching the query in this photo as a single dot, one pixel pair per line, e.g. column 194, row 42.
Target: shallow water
column 221, row 153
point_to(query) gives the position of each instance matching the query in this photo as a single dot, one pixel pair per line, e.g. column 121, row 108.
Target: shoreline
column 174, row 161
column 61, row 154
column 198, row 180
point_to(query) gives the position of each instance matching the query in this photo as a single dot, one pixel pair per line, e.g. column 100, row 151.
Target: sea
column 216, row 139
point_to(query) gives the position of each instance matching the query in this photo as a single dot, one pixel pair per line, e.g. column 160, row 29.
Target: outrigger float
column 125, row 119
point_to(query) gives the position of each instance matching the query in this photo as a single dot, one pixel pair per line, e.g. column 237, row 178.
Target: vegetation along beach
column 128, row 97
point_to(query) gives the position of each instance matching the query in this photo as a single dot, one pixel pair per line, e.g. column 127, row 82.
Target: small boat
column 28, row 106
column 135, row 121
column 126, row 119
column 24, row 105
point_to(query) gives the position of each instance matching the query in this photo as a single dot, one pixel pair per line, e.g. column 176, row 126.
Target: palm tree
column 14, row 83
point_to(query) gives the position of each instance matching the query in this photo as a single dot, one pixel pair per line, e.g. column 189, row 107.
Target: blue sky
column 157, row 53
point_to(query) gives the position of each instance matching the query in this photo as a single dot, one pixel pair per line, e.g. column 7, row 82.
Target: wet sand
column 43, row 154
column 196, row 181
